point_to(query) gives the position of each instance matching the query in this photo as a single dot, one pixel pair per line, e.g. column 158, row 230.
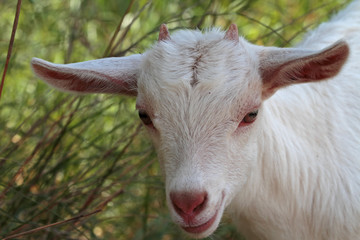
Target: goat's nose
column 188, row 204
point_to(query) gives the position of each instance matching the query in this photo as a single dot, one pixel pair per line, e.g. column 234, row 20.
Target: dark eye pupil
column 250, row 117
column 145, row 118
column 253, row 114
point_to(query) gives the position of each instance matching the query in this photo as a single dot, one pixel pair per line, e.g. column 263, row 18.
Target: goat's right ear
column 116, row 75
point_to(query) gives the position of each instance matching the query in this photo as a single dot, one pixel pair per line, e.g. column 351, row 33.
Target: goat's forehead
column 196, row 67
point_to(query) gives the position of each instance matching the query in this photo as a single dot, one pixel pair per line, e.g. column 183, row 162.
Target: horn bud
column 232, row 33
column 164, row 33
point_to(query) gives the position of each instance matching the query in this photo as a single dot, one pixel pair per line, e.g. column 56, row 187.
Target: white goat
column 287, row 165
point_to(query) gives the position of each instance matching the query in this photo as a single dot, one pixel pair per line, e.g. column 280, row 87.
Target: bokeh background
column 63, row 156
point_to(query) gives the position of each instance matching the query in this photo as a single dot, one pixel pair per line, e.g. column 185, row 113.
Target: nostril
column 188, row 204
column 200, row 207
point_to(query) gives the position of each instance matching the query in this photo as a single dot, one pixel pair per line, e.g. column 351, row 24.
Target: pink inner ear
column 84, row 83
column 278, row 72
column 70, row 81
column 323, row 67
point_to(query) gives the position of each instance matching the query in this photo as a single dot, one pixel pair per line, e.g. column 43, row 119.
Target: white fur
column 292, row 174
column 306, row 183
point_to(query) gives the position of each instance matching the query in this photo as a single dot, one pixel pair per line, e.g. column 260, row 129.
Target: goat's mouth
column 202, row 227
column 203, row 224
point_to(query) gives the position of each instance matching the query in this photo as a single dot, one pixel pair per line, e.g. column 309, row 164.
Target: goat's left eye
column 145, row 118
column 250, row 117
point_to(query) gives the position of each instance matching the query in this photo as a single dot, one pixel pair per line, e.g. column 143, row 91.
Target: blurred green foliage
column 62, row 155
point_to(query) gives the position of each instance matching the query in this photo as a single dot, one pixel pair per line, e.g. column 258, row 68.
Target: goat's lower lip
column 201, row 228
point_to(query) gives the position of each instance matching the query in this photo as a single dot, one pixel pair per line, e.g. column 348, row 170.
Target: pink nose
column 188, row 204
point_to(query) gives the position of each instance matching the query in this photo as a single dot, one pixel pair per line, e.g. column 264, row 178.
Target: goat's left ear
column 282, row 67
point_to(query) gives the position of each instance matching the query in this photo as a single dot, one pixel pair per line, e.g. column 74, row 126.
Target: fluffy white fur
column 292, row 174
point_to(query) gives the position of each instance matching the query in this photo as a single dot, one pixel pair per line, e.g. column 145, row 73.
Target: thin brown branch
column 127, row 29
column 122, row 52
column 8, row 150
column 26, row 162
column 273, row 31
column 118, row 28
column 12, row 39
column 103, row 204
column 293, row 21
column 53, row 224
column 93, row 194
column 38, row 146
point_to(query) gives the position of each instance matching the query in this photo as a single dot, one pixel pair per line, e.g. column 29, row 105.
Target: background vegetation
column 65, row 156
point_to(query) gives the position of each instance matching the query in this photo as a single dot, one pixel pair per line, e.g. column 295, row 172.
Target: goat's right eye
column 145, row 118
